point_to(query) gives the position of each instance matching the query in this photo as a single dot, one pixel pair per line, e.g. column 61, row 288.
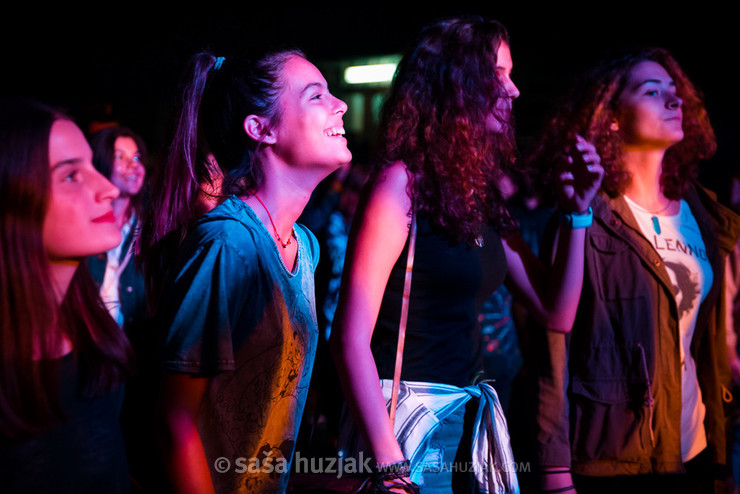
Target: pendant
column 479, row 241
column 656, row 224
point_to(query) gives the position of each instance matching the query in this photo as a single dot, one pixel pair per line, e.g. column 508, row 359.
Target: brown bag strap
column 404, row 318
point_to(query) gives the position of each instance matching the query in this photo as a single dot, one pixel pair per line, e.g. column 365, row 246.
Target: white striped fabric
column 422, row 406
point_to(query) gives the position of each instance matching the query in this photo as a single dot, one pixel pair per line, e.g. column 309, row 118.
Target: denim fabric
column 439, row 462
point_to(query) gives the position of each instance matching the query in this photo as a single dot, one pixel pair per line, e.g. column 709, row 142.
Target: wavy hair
column 592, row 108
column 32, row 321
column 436, row 120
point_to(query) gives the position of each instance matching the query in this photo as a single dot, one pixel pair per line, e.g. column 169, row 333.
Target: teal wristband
column 575, row 220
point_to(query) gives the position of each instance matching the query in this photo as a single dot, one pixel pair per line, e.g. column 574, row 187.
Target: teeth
column 335, row 131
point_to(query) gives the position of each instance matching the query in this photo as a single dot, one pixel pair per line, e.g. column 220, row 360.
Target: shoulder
column 308, row 239
column 725, row 221
column 229, row 227
column 388, row 191
column 394, row 178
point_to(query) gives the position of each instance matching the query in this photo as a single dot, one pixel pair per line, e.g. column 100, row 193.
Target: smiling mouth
column 335, row 132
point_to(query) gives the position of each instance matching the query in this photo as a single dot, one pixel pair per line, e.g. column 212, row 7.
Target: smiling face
column 79, row 219
column 128, row 170
column 650, row 115
column 310, row 132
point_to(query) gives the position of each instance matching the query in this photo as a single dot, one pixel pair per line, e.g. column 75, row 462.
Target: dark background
column 127, row 57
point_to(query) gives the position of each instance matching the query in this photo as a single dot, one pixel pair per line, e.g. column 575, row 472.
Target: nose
column 674, row 102
column 128, row 163
column 512, row 92
column 104, row 188
column 341, row 106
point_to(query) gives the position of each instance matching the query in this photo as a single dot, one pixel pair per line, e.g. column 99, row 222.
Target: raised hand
column 579, row 175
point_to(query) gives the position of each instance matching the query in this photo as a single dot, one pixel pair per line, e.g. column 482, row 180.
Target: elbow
column 339, row 349
column 560, row 328
column 558, row 322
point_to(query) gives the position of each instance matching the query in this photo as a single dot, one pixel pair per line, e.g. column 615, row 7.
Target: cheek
column 69, row 233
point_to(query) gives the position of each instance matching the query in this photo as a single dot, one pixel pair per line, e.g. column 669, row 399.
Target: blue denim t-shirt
column 234, row 313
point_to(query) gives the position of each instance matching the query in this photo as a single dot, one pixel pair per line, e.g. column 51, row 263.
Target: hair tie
column 219, row 63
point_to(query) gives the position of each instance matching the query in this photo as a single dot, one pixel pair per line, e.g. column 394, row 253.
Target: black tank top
column 449, row 285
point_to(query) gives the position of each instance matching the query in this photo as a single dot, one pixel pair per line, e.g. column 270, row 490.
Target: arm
column 182, row 450
column 552, row 294
column 731, row 291
column 552, row 412
column 379, row 233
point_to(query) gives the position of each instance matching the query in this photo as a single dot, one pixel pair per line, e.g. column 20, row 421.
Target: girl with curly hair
column 635, row 391
column 446, row 137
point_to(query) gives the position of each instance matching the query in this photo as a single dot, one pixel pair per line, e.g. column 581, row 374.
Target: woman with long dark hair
column 632, row 398
column 120, row 154
column 64, row 359
column 236, row 295
column 446, row 138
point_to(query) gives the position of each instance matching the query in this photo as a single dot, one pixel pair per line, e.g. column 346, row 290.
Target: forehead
column 298, row 73
column 125, row 143
column 648, row 71
column 503, row 56
column 66, row 142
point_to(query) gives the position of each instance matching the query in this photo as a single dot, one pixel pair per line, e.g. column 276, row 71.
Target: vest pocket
column 605, row 423
column 618, row 269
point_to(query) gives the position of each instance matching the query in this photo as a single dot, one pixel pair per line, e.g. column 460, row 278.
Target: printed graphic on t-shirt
column 685, row 286
column 686, row 262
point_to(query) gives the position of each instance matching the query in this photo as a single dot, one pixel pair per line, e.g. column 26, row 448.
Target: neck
column 645, row 168
column 62, row 273
column 285, row 191
column 278, row 206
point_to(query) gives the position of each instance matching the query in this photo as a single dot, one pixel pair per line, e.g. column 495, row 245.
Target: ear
column 258, row 129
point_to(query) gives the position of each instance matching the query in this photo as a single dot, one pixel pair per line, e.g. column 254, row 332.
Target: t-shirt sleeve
column 203, row 305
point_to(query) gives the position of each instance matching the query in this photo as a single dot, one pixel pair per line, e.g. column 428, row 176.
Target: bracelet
column 397, row 474
column 560, row 489
column 548, row 472
column 398, row 467
column 575, row 220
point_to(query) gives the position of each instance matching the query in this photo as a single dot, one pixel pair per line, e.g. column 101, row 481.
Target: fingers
column 587, row 152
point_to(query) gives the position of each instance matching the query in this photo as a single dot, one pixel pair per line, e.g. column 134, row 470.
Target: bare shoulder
column 395, row 177
column 391, row 185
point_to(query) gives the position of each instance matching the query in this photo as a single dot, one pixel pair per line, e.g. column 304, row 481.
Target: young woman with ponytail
column 234, row 287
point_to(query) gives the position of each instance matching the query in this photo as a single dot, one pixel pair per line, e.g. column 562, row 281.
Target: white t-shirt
column 677, row 239
column 109, row 288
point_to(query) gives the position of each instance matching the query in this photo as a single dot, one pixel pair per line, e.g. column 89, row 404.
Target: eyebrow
column 671, row 82
column 312, row 85
column 67, row 162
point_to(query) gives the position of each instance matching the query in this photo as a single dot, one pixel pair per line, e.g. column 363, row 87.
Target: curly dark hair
column 436, row 121
column 591, row 108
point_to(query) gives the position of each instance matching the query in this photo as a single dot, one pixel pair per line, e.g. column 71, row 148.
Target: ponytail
column 209, row 144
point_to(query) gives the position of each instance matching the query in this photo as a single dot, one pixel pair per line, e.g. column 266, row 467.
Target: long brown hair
column 591, row 109
column 32, row 322
column 436, row 122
